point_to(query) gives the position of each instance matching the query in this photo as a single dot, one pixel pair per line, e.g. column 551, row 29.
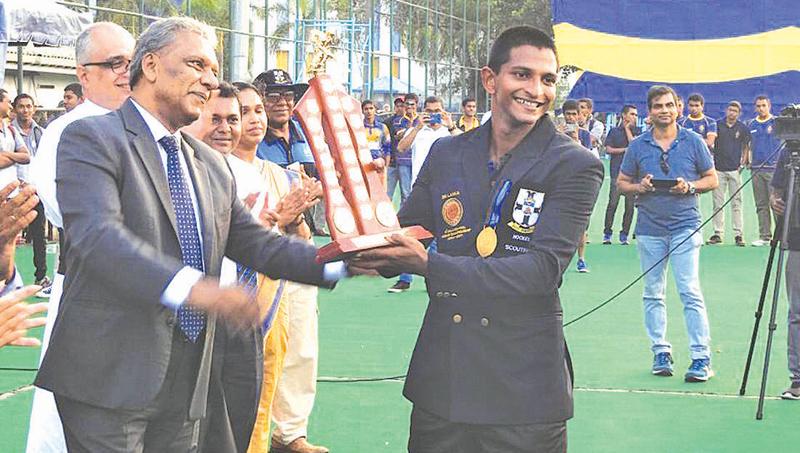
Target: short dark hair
column 656, row 91
column 227, row 90
column 514, row 37
column 678, row 98
column 432, row 100
column 467, row 100
column 735, row 103
column 627, row 108
column 411, row 97
column 696, row 97
column 366, row 102
column 76, row 88
column 22, row 96
column 3, row 94
column 241, row 86
column 587, row 101
column 569, row 104
column 399, row 101
column 761, row 97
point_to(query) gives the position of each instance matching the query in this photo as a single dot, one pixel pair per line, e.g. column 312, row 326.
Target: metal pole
column 299, row 36
column 452, row 57
column 141, row 18
column 464, row 73
column 391, row 52
column 188, row 7
column 427, row 44
column 371, row 48
column 488, row 44
column 20, row 69
column 408, row 49
column 477, row 35
column 266, row 34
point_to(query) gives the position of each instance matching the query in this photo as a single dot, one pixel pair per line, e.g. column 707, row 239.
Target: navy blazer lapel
column 145, row 146
column 202, row 189
column 475, row 161
column 525, row 155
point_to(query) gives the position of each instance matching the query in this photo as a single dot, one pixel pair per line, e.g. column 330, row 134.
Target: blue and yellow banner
column 735, row 49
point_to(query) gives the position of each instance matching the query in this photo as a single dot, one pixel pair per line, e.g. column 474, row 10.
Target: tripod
column 793, row 166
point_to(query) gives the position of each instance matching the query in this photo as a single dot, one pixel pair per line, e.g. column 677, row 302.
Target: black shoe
column 399, row 287
column 740, row 242
column 713, row 240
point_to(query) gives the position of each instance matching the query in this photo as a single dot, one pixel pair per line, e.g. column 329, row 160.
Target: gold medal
column 486, row 241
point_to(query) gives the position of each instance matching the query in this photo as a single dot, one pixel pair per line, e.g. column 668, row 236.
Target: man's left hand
column 16, row 317
column 402, row 254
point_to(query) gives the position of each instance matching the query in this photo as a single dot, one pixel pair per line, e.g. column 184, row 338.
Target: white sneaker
column 759, row 243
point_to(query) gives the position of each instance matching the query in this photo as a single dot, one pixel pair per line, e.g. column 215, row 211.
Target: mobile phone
column 436, row 118
column 664, row 183
column 570, row 128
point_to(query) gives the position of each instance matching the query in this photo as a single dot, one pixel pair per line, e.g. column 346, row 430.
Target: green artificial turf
column 619, row 406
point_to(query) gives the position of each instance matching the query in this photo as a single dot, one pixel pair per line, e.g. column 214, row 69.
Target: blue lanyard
column 497, row 204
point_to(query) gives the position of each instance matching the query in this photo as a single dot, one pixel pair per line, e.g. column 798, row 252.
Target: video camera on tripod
column 787, row 128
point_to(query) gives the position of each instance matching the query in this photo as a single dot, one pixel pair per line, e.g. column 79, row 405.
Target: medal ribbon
column 497, row 204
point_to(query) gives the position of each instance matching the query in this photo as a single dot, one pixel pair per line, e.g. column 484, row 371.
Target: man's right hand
column 646, row 184
column 778, row 205
column 231, row 303
column 16, row 317
column 16, row 213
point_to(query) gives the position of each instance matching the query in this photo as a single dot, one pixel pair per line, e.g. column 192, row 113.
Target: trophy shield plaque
column 359, row 213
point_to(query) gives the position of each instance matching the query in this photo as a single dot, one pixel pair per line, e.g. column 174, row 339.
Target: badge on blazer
column 769, row 129
column 736, row 135
column 526, row 211
column 702, row 128
column 452, row 211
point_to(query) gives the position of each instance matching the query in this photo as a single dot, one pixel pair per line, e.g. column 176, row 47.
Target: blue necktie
column 247, row 278
column 191, row 321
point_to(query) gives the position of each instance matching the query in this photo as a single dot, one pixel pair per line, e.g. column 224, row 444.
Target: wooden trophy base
column 343, row 248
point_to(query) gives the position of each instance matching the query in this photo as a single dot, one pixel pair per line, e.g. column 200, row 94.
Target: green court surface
column 619, row 406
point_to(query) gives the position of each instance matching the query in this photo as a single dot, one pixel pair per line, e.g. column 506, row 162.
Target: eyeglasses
column 664, row 162
column 118, row 66
column 274, row 98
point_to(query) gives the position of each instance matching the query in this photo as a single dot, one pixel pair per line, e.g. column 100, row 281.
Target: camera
column 787, row 125
column 436, row 118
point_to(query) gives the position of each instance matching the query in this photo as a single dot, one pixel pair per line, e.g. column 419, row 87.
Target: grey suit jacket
column 111, row 341
column 491, row 348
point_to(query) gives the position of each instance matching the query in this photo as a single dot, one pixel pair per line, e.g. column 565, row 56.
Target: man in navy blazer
column 507, row 203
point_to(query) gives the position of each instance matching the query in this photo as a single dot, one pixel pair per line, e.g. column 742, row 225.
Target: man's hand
column 15, row 317
column 403, row 254
column 447, row 120
column 777, row 203
column 250, row 200
column 680, row 188
column 232, row 303
column 646, row 184
column 297, row 201
column 16, row 213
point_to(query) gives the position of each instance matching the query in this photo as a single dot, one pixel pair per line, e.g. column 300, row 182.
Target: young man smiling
column 507, row 201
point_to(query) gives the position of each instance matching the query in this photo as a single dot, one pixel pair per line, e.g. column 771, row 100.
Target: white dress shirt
column 43, row 165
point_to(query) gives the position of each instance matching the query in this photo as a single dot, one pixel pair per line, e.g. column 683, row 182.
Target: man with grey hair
column 149, row 213
column 103, row 52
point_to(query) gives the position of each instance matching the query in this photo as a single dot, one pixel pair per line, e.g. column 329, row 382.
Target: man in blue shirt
column 762, row 157
column 777, row 197
column 284, row 142
column 616, row 143
column 393, row 171
column 728, row 153
column 698, row 122
column 572, row 117
column 669, row 219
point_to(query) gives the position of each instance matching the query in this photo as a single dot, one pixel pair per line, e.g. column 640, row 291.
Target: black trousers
column 433, row 434
column 237, row 374
column 62, row 266
column 162, row 426
column 611, row 209
column 36, row 235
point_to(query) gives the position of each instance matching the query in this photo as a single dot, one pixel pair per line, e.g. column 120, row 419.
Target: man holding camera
column 666, row 167
column 778, row 202
column 434, row 124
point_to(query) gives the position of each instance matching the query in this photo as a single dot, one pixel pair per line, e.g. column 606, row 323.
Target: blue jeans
column 401, row 174
column 685, row 265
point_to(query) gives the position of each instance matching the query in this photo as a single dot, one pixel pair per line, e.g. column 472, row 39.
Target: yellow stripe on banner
column 688, row 61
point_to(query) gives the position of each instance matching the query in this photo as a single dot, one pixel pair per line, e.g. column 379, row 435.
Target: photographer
column 777, row 200
column 666, row 167
column 434, row 124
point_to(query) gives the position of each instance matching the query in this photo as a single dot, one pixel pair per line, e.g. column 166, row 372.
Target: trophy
column 359, row 212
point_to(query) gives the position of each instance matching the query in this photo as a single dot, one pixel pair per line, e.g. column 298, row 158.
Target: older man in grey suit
column 149, row 213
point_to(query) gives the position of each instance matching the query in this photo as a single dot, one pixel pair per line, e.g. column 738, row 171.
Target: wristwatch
column 692, row 190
